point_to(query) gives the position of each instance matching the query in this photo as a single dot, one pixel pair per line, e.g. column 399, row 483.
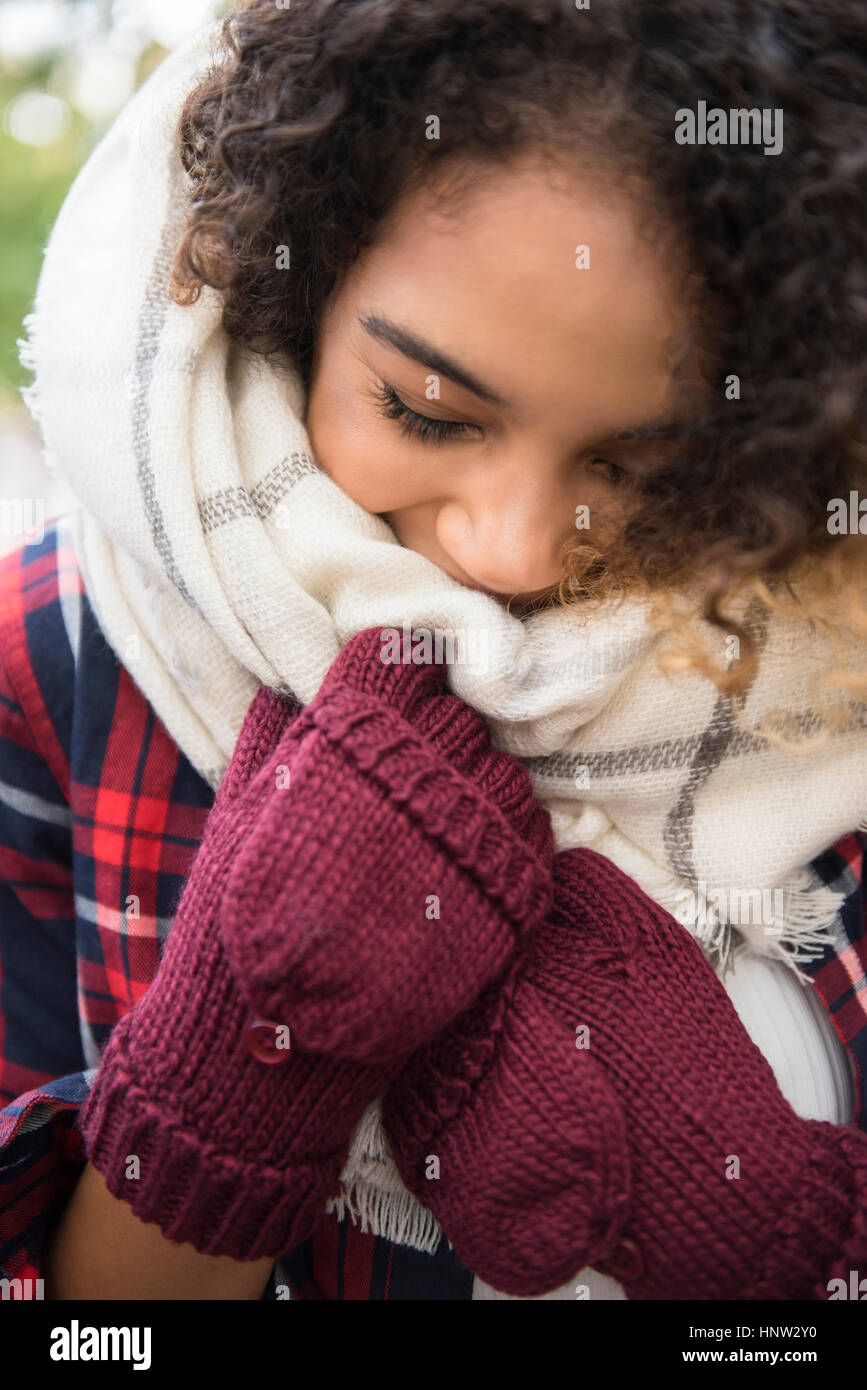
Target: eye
column 615, row 473
column 417, row 426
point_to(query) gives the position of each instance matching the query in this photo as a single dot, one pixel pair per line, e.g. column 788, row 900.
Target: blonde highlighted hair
column 823, row 591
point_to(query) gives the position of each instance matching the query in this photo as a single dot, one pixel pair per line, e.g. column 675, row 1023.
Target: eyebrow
column 419, row 350
column 393, row 335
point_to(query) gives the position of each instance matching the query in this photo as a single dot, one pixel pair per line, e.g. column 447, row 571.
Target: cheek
column 337, row 434
column 361, row 452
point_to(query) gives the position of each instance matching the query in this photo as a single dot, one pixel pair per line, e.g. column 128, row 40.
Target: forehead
column 498, row 279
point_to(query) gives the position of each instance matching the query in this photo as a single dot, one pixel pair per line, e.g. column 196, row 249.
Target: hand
column 239, row 1130
column 375, row 896
column 703, row 1181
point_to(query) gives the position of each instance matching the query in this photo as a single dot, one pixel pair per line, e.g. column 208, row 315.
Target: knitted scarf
column 218, row 556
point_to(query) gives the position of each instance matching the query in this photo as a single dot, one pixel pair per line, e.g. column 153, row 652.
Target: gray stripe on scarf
column 671, row 753
column 722, row 738
column 713, row 746
column 151, row 320
column 232, row 502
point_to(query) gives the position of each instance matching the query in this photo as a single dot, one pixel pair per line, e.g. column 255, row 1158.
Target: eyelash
column 428, row 430
column 412, row 424
column 617, row 475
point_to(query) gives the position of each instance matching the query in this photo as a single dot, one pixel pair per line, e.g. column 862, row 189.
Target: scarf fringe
column 27, row 356
column 396, row 1216
column 804, row 930
column 374, row 1194
column 31, row 395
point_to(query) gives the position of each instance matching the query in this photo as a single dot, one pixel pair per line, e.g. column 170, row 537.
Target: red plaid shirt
column 97, row 802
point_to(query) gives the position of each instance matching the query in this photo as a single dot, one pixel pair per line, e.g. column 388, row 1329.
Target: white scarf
column 217, row 556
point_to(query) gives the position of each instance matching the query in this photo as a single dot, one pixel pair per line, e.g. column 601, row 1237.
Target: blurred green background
column 67, row 67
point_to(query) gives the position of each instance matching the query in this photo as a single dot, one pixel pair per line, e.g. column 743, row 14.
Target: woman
column 504, row 278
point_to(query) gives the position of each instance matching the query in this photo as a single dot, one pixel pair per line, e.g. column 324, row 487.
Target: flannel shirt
column 95, row 794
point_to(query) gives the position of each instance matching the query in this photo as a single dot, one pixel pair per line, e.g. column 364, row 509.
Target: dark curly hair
column 314, row 123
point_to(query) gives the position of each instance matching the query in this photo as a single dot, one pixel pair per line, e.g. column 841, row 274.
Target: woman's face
column 524, row 368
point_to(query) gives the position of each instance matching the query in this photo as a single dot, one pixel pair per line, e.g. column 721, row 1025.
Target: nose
column 508, row 535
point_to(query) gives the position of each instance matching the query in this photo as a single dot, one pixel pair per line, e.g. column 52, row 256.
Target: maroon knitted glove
column 531, row 1174
column 236, row 1155
column 700, row 1103
column 403, row 863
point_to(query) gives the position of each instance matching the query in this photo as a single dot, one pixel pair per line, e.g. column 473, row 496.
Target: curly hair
column 315, row 122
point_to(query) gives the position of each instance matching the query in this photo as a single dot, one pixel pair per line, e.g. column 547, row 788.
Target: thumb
column 268, row 716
